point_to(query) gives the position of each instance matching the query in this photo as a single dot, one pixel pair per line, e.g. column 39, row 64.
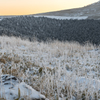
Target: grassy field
column 59, row 70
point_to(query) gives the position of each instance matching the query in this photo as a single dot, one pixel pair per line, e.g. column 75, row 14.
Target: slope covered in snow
column 57, row 69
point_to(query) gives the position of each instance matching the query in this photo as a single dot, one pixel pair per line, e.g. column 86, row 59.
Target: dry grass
column 51, row 68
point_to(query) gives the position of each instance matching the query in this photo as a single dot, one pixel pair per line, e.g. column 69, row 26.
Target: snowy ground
column 57, row 70
column 0, row 19
column 64, row 17
column 11, row 89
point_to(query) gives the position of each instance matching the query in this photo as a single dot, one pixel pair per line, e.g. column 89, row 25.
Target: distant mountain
column 92, row 11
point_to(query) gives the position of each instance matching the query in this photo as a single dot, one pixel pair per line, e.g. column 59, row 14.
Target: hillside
column 45, row 29
column 92, row 11
column 58, row 70
column 47, row 58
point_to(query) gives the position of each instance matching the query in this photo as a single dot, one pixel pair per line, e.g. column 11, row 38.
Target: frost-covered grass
column 59, row 70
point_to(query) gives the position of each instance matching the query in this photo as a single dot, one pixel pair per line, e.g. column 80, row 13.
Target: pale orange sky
column 22, row 7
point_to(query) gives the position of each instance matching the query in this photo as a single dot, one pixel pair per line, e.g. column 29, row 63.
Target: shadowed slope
column 45, row 29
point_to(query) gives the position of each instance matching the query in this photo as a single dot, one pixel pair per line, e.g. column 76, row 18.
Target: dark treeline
column 45, row 29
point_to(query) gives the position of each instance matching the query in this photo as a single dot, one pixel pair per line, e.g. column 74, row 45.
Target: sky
column 24, row 7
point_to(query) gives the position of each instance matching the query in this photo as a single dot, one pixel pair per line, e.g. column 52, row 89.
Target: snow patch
column 64, row 17
column 9, row 86
column 0, row 19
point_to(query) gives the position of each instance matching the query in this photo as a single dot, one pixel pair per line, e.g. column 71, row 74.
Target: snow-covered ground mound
column 58, row 70
column 11, row 88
